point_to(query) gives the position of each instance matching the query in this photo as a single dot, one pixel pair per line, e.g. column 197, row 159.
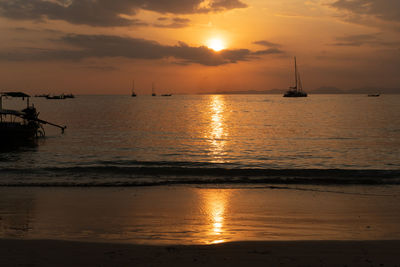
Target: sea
column 119, row 140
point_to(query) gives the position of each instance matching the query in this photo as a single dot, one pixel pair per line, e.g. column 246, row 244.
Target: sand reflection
column 215, row 204
column 217, row 131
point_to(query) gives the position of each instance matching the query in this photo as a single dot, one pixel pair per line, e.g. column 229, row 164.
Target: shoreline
column 192, row 215
column 15, row 252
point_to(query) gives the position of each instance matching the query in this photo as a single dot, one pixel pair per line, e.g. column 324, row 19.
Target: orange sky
column 99, row 47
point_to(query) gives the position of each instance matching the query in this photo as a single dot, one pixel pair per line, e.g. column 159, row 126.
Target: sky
column 197, row 46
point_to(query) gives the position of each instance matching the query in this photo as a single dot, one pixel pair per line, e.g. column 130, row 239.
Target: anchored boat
column 19, row 126
column 62, row 96
column 153, row 92
column 297, row 90
column 133, row 89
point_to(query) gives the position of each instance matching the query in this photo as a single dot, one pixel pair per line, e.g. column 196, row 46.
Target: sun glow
column 216, row 44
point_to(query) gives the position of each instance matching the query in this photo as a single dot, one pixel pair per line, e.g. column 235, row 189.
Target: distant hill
column 374, row 90
column 320, row 90
column 363, row 90
column 327, row 90
column 247, row 92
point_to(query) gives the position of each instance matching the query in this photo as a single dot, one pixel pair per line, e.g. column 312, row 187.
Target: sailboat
column 153, row 93
column 133, row 89
column 297, row 90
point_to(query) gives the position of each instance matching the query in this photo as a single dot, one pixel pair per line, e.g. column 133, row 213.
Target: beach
column 200, row 226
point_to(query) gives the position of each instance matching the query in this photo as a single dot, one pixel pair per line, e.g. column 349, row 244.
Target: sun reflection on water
column 217, row 132
column 215, row 204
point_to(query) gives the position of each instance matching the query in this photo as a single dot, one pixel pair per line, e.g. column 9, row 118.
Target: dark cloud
column 363, row 39
column 102, row 46
column 388, row 10
column 101, row 68
column 190, row 6
column 266, row 43
column 226, row 4
column 105, row 12
column 268, row 51
column 172, row 23
column 95, row 13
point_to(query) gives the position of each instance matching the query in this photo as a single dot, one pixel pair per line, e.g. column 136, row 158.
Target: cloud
column 268, row 51
column 226, row 4
column 172, row 23
column 99, row 13
column 106, row 13
column 103, row 46
column 362, row 40
column 100, row 68
column 267, row 43
column 387, row 10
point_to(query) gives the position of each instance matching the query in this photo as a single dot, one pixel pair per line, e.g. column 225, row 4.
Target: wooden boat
column 20, row 126
column 297, row 90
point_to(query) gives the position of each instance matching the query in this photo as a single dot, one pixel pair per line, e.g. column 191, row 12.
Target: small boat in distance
column 133, row 94
column 69, row 96
column 62, row 96
column 297, row 90
column 42, row 95
column 166, row 95
column 374, row 95
column 153, row 93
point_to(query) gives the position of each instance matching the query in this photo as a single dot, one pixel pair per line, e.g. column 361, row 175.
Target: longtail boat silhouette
column 21, row 125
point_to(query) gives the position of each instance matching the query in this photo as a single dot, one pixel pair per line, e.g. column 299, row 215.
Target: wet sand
column 200, row 215
column 295, row 253
column 200, row 226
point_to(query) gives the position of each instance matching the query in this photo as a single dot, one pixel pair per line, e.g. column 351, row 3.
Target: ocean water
column 210, row 139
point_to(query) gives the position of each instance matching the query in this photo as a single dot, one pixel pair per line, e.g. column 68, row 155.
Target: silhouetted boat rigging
column 133, row 94
column 297, row 90
column 18, row 126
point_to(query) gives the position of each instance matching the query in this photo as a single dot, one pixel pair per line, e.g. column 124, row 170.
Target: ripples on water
column 120, row 139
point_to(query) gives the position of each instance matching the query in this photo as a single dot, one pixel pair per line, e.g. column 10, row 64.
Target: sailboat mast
column 133, row 86
column 295, row 72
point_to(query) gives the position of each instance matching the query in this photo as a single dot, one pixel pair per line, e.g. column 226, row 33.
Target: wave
column 168, row 173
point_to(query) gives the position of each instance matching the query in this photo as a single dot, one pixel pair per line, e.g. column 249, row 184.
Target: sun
column 216, row 44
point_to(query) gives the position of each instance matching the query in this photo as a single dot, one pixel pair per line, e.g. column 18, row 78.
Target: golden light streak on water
column 215, row 205
column 217, row 131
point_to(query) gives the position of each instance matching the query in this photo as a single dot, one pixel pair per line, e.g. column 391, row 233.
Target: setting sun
column 216, row 44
